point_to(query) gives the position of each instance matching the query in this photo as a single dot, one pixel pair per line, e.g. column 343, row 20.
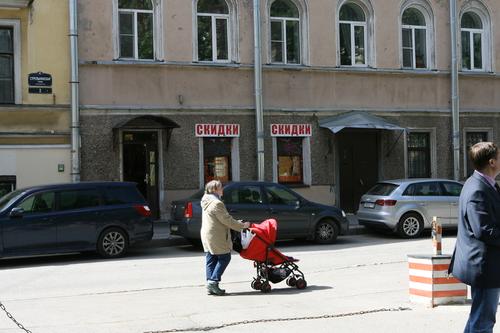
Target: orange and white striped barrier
column 430, row 283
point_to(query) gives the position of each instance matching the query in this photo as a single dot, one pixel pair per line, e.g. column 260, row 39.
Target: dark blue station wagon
column 106, row 217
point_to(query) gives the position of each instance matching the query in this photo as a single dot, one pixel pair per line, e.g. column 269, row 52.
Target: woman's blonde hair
column 212, row 186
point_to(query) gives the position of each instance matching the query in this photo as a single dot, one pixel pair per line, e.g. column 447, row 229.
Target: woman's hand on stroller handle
column 246, row 225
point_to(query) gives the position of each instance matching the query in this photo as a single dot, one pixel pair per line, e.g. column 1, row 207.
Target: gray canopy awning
column 357, row 120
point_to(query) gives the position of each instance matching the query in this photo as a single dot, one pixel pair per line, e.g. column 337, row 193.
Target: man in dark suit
column 476, row 259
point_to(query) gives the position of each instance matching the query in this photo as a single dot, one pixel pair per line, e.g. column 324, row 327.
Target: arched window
column 285, row 32
column 213, row 30
column 352, row 35
column 472, row 41
column 136, row 29
column 414, row 33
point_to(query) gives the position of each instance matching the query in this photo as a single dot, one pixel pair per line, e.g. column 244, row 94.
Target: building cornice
column 15, row 4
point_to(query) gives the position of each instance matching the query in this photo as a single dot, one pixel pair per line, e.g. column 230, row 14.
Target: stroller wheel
column 301, row 284
column 256, row 284
column 291, row 281
column 265, row 288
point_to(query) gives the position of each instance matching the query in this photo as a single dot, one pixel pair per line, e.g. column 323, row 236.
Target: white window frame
column 214, row 18
column 433, row 149
column 16, row 40
column 158, row 52
column 471, row 32
column 306, row 160
column 283, row 21
column 466, row 130
column 412, row 28
column 352, row 25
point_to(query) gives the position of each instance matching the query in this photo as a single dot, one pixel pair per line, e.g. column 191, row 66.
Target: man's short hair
column 212, row 186
column 481, row 153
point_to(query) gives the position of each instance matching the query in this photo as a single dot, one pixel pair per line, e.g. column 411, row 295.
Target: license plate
column 174, row 227
column 369, row 205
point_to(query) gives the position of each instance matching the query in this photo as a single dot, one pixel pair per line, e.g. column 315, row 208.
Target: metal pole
column 258, row 90
column 455, row 98
column 75, row 112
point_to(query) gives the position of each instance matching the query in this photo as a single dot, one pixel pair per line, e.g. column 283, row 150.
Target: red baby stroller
column 272, row 265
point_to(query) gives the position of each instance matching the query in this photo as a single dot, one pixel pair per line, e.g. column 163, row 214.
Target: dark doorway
column 358, row 168
column 140, row 165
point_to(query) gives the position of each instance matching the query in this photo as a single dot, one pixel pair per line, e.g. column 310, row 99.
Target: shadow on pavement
column 281, row 291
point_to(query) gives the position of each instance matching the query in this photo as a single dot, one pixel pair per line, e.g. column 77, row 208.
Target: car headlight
column 343, row 213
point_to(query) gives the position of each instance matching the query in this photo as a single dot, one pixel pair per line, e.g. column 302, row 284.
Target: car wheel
column 410, row 225
column 326, row 232
column 112, row 243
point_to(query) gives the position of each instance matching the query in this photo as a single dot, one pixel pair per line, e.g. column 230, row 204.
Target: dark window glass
column 419, row 156
column 277, row 41
column 145, row 35
column 6, row 66
column 284, row 8
column 7, row 199
column 290, row 160
column 243, row 195
column 420, row 48
column 38, row 203
column 452, row 189
column 118, row 195
column 78, row 199
column 222, row 42
column 205, row 38
column 351, row 12
column 408, row 48
column 277, row 195
column 382, row 189
column 217, row 159
column 359, row 43
column 345, row 44
column 292, row 42
column 478, row 51
column 213, row 7
column 135, row 4
column 413, row 16
column 466, row 53
column 423, row 189
column 471, row 138
column 471, row 20
column 126, row 35
column 7, row 184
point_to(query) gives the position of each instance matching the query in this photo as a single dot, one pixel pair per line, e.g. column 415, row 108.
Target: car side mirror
column 16, row 212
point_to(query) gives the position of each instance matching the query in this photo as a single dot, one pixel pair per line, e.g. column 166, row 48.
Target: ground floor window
column 419, row 155
column 471, row 138
column 7, row 184
column 290, row 160
column 217, row 159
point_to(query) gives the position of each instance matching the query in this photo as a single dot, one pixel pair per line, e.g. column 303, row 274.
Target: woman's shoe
column 213, row 289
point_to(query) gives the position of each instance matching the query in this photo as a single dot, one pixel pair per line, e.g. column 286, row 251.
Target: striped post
column 430, row 283
column 437, row 232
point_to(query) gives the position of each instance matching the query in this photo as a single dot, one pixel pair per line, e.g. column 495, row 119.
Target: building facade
column 34, row 93
column 167, row 92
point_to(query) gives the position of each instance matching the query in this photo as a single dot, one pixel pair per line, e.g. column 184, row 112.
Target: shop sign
column 217, row 130
column 291, row 130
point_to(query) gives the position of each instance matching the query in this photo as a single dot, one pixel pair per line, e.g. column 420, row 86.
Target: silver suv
column 407, row 206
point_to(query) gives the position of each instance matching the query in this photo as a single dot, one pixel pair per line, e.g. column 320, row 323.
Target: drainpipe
column 75, row 112
column 455, row 98
column 258, row 89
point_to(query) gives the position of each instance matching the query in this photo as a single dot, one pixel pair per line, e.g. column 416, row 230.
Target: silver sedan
column 407, row 206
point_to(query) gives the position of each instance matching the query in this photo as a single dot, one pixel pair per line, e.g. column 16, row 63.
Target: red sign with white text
column 291, row 130
column 217, row 130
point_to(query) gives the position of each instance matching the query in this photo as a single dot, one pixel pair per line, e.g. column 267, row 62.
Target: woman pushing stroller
column 216, row 225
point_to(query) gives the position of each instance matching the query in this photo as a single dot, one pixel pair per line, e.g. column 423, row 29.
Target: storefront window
column 217, row 159
column 7, row 184
column 290, row 160
column 419, row 155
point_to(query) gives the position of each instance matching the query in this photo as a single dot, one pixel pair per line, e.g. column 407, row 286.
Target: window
column 285, row 32
column 7, row 88
column 280, row 196
column 419, row 159
column 7, row 184
column 119, row 195
column 423, row 189
column 471, row 138
column 213, row 30
column 472, row 41
column 78, row 199
column 217, row 159
column 38, row 203
column 352, row 35
column 136, row 29
column 243, row 195
column 290, row 160
column 382, row 189
column 452, row 189
column 414, row 34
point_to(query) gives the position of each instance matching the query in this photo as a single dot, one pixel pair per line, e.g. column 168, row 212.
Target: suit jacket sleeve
column 223, row 216
column 482, row 220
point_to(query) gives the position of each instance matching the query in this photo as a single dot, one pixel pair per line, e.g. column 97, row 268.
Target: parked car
column 256, row 201
column 407, row 206
column 105, row 217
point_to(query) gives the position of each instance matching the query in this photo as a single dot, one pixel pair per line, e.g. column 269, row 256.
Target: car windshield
column 382, row 189
column 8, row 198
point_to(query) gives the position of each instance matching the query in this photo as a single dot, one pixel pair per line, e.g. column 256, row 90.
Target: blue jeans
column 483, row 311
column 216, row 265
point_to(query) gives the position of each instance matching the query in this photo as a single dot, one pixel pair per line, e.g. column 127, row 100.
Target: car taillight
column 188, row 210
column 143, row 210
column 382, row 202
